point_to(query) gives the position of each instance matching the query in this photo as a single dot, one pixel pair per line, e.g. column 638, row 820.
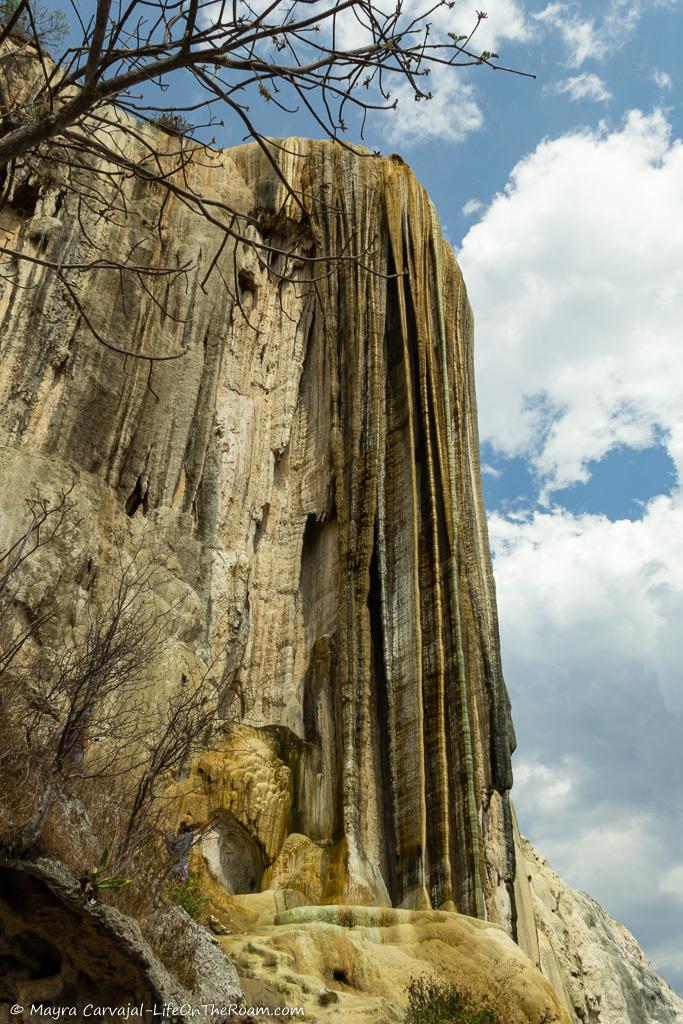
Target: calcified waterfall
column 426, row 732
column 313, row 462
column 307, row 472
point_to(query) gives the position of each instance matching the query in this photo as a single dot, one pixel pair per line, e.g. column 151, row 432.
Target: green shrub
column 190, row 896
column 431, row 1002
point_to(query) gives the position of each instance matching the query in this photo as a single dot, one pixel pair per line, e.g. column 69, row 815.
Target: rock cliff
column 312, row 461
column 592, row 961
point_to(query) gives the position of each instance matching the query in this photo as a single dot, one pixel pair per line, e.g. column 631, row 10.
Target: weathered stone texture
column 592, row 961
column 59, row 950
column 362, row 959
column 311, row 462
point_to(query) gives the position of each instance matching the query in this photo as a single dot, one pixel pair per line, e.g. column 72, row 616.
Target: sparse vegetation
column 95, row 881
column 37, row 21
column 87, row 748
column 190, row 895
column 173, row 124
column 433, row 1002
column 174, row 947
column 86, row 709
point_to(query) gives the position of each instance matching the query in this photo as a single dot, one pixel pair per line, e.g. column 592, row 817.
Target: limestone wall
column 310, row 466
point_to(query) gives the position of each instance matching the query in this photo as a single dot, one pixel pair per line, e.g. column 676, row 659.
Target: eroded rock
column 60, row 950
column 311, row 471
column 592, row 960
column 365, row 958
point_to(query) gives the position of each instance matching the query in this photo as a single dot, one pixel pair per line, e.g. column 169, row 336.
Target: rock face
column 311, row 463
column 592, row 961
column 61, row 952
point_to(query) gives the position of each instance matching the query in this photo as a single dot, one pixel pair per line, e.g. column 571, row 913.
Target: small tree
column 88, row 709
column 46, row 522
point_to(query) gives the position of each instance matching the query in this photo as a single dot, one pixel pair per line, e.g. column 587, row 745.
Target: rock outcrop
column 311, row 462
column 592, row 961
column 355, row 963
column 59, row 951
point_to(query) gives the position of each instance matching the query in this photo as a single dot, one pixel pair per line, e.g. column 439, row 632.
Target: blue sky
column 563, row 197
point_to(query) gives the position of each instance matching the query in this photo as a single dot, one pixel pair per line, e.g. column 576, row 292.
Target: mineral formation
column 311, row 462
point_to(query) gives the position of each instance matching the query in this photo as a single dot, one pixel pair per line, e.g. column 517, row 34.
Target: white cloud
column 584, row 87
column 450, row 115
column 578, row 34
column 590, row 614
column 453, row 112
column 662, row 79
column 491, row 471
column 575, row 274
column 582, row 589
column 608, row 858
column 471, row 207
column 586, row 38
column 505, row 21
column 542, row 787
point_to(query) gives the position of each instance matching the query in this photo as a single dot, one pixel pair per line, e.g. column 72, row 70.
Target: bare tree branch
column 84, row 117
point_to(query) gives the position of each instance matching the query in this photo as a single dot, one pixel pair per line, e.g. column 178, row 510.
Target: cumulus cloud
column 588, row 37
column 575, row 274
column 610, row 591
column 451, row 114
column 544, row 788
column 506, row 21
column 584, row 87
column 590, row 614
